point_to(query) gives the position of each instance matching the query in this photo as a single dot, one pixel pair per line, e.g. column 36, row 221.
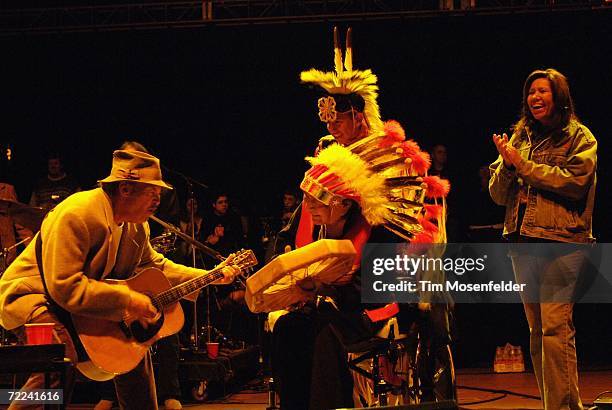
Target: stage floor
column 592, row 383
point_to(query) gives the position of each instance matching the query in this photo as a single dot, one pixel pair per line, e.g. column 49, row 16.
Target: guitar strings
column 196, row 283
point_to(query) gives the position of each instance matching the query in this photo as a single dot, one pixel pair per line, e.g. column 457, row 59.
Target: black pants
column 292, row 352
column 309, row 361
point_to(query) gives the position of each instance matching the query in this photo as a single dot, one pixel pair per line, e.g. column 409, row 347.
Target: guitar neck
column 173, row 295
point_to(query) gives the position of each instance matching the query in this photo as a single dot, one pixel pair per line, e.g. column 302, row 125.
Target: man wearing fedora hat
column 94, row 235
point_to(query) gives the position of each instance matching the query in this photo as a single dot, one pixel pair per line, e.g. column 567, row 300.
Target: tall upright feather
column 348, row 53
column 337, row 53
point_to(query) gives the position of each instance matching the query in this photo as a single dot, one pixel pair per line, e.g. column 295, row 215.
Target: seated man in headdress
column 345, row 199
column 303, row 337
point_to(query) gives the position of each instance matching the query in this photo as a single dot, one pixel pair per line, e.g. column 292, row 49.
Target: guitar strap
column 62, row 314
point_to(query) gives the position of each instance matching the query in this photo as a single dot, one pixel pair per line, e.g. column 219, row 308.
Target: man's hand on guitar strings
column 146, row 322
column 140, row 307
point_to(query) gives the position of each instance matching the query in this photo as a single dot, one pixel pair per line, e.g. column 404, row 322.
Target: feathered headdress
column 347, row 88
column 386, row 176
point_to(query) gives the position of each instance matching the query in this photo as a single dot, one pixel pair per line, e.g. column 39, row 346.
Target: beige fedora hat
column 135, row 166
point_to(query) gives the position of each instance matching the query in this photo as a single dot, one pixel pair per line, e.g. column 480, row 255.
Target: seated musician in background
column 94, row 235
column 191, row 207
column 290, row 204
column 222, row 227
column 184, row 250
column 55, row 187
column 223, row 230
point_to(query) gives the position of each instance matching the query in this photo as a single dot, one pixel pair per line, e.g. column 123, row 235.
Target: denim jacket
column 559, row 175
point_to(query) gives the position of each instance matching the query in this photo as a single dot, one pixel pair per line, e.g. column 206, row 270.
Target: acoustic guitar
column 117, row 347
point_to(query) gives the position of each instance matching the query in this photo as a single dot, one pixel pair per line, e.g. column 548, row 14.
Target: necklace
column 322, row 232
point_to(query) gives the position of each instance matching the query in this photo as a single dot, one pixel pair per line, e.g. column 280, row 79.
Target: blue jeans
column 551, row 280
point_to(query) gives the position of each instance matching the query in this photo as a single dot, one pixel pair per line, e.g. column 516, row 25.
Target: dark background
column 224, row 105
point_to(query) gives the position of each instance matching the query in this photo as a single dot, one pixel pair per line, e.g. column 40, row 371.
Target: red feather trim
column 432, row 211
column 394, row 134
column 335, row 186
column 348, row 193
column 328, row 179
column 423, row 237
column 421, row 162
column 436, row 186
column 409, row 149
column 317, row 170
column 428, row 226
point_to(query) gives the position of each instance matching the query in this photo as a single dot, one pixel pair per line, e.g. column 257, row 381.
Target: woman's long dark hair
column 564, row 105
column 185, row 215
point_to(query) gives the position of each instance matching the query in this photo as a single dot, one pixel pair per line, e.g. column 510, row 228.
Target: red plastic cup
column 212, row 349
column 39, row 333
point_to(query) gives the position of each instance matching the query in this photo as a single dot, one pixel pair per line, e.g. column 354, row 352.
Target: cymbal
column 30, row 217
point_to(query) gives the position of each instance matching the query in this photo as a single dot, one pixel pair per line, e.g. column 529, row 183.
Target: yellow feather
column 348, row 54
column 337, row 53
column 356, row 175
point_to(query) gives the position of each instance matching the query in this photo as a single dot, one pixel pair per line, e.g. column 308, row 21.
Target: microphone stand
column 190, row 182
column 196, row 329
column 4, row 253
column 195, row 245
column 189, row 179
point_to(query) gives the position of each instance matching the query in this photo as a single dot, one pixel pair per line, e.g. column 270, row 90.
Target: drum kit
column 22, row 215
column 164, row 243
column 29, row 217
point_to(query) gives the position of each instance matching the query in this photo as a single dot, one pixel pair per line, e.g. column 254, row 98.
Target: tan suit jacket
column 81, row 244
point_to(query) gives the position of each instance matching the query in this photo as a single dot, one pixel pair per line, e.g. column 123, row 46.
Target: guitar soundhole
column 141, row 334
